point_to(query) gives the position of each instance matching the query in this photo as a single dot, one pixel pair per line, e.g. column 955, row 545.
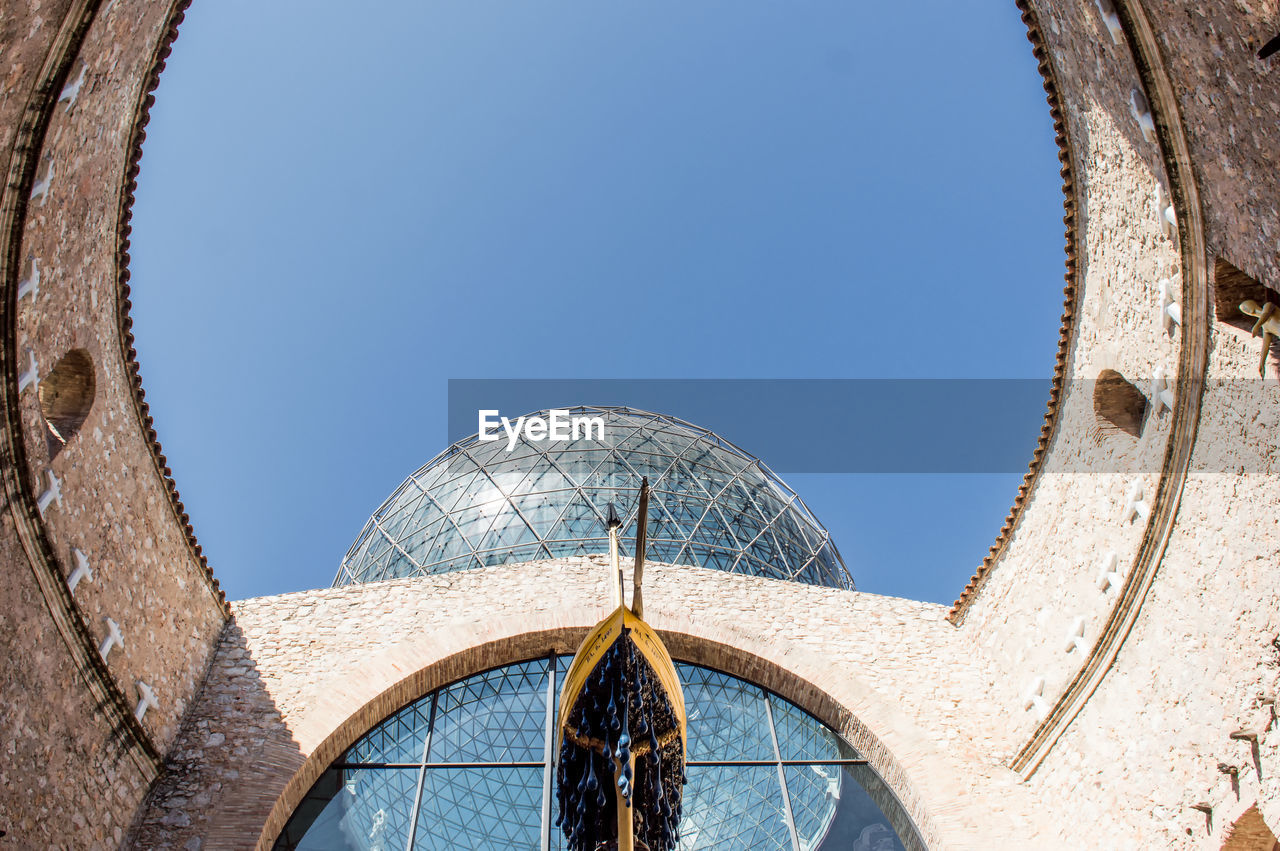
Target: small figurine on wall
column 1267, row 327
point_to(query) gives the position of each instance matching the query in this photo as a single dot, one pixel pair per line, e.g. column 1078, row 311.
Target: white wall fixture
column 1170, row 310
column 82, row 571
column 1034, row 699
column 30, row 285
column 51, row 495
column 831, row 778
column 40, row 189
column 30, row 375
column 1255, row 728
column 71, row 91
column 146, row 700
column 113, row 639
column 1134, row 505
column 1108, row 575
column 1267, row 327
column 1112, row 19
column 1168, row 215
column 1140, row 109
column 1075, row 637
column 1161, row 392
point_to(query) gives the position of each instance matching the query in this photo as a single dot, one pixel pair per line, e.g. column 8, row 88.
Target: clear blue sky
column 342, row 207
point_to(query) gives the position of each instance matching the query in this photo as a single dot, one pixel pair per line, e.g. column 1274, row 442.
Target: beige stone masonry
column 300, row 677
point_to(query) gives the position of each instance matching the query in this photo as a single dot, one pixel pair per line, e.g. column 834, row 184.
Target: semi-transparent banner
column 885, row 425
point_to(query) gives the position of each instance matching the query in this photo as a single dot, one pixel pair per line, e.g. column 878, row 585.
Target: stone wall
column 1072, row 699
column 79, row 759
column 1230, row 105
column 1044, row 589
column 1143, row 755
column 300, row 677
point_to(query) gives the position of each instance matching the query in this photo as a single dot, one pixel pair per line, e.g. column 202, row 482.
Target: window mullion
column 422, row 773
column 548, row 742
column 782, row 777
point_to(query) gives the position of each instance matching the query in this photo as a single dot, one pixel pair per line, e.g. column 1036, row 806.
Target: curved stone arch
column 1192, row 365
column 926, row 782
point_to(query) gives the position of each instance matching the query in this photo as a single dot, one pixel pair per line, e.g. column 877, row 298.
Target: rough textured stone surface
column 1230, row 103
column 65, row 780
column 299, row 677
column 76, row 765
column 115, row 508
column 1156, row 729
column 1046, row 578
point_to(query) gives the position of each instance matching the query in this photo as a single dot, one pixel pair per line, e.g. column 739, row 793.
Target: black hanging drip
column 637, row 721
column 620, row 772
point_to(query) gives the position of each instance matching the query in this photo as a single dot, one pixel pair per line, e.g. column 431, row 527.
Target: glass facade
column 479, row 504
column 469, row 767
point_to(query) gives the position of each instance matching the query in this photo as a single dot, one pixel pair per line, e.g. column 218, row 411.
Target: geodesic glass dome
column 479, row 503
column 470, row 766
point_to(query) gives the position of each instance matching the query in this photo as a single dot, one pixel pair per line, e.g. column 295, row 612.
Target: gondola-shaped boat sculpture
column 621, row 726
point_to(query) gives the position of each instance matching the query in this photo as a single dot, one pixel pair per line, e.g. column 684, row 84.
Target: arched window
column 714, row 505
column 468, row 766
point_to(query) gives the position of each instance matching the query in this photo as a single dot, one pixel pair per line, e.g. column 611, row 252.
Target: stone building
column 1106, row 680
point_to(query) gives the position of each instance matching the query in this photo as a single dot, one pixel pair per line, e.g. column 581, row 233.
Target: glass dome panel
column 802, row 737
column 495, row 717
column 734, row 807
column 840, row 806
column 480, row 809
column 361, row 808
column 479, row 504
column 399, row 739
column 727, row 717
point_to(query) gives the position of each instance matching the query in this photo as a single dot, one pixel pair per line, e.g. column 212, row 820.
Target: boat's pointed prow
column 622, row 716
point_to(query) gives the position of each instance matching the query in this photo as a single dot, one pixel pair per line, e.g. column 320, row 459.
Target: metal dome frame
column 435, row 522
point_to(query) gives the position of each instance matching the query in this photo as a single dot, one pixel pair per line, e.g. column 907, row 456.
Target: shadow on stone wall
column 232, row 736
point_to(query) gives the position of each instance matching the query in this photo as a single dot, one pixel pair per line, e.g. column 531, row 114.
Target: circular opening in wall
column 66, row 396
column 1120, row 407
column 747, row 192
